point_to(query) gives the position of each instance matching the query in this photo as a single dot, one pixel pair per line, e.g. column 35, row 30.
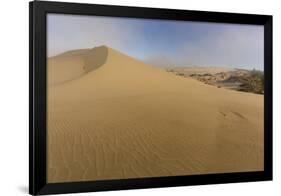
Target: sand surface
column 111, row 116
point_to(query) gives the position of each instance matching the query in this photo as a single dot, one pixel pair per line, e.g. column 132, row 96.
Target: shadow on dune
column 74, row 64
column 94, row 58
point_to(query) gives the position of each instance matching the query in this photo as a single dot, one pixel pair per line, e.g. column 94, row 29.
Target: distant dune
column 111, row 116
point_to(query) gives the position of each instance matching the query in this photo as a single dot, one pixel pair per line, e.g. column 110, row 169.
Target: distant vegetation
column 254, row 82
column 237, row 79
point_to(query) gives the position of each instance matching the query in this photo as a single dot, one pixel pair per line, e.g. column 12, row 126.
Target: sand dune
column 111, row 116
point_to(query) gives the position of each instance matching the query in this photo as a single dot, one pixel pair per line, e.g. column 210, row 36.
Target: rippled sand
column 112, row 117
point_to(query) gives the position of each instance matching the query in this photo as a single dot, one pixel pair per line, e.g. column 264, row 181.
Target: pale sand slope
column 127, row 119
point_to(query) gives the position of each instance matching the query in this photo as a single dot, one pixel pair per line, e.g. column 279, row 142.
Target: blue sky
column 160, row 42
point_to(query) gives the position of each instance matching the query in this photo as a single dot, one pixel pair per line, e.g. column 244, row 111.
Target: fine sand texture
column 111, row 116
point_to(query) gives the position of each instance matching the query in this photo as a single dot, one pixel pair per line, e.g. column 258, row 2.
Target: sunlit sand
column 111, row 116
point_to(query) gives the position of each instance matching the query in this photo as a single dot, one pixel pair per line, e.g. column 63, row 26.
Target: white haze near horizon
column 163, row 43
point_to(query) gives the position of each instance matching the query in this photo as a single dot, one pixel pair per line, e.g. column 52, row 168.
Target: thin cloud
column 160, row 42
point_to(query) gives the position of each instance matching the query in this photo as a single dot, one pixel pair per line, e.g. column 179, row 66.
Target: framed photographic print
column 130, row 97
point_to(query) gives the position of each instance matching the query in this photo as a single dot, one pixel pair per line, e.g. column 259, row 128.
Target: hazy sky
column 160, row 42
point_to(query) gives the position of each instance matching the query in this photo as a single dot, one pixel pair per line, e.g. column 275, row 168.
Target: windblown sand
column 113, row 117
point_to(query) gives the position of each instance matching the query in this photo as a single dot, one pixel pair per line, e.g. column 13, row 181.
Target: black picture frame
column 37, row 97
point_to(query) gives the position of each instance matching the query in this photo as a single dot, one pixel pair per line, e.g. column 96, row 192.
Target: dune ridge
column 121, row 118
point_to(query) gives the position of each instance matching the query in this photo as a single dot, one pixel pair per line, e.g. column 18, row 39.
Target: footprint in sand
column 237, row 114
